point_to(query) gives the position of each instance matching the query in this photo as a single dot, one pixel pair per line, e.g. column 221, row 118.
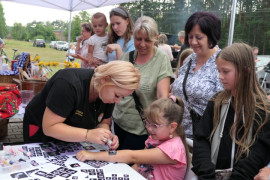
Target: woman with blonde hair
column 120, row 34
column 156, row 71
column 233, row 138
column 76, row 104
column 163, row 46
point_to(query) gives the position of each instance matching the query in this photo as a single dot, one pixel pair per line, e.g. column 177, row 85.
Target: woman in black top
column 76, row 104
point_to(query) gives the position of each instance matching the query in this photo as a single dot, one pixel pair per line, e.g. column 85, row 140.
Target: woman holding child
column 156, row 72
column 120, row 34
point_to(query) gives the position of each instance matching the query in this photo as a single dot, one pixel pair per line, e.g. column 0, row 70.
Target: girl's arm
column 163, row 88
column 53, row 125
column 114, row 47
column 146, row 156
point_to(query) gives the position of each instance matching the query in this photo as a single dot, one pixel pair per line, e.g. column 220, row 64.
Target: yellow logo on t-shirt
column 79, row 113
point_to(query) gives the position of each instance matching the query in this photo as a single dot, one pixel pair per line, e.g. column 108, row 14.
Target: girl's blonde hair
column 121, row 12
column 172, row 112
column 146, row 25
column 249, row 95
column 120, row 73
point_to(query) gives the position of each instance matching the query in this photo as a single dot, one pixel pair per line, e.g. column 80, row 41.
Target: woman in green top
column 156, row 72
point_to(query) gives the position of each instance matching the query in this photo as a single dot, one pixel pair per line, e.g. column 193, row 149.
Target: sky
column 21, row 13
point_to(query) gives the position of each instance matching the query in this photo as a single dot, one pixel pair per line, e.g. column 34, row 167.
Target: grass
column 46, row 54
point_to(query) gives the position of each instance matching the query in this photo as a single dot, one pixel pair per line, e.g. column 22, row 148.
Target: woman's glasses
column 152, row 125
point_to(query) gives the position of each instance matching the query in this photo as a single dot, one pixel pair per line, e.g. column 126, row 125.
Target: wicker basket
column 8, row 78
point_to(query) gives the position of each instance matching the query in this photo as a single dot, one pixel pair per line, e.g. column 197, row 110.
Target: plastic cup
column 26, row 95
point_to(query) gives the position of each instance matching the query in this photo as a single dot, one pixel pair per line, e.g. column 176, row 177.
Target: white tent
column 70, row 5
column 77, row 5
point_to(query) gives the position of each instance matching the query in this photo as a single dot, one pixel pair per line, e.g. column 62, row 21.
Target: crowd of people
column 126, row 92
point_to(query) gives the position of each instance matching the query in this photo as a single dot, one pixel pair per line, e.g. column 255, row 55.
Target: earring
column 170, row 136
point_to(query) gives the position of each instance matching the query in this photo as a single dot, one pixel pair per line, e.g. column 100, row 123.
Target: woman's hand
column 80, row 39
column 263, row 174
column 85, row 155
column 115, row 142
column 99, row 135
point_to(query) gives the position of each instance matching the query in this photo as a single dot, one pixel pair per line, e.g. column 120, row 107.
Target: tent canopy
column 70, row 5
column 77, row 5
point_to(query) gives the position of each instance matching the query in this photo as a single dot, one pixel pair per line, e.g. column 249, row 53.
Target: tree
column 3, row 26
column 19, row 32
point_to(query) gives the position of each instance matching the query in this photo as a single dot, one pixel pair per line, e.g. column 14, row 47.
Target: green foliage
column 3, row 26
column 252, row 24
column 19, row 32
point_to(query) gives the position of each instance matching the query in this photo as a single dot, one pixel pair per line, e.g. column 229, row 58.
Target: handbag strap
column 185, row 79
column 138, row 104
column 219, row 133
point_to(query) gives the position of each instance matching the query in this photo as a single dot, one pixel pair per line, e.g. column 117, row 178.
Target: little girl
column 166, row 152
column 233, row 141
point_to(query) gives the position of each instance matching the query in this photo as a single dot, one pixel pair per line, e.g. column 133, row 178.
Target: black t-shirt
column 67, row 95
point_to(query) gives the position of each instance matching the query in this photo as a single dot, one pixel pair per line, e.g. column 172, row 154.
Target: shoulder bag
column 193, row 114
column 138, row 104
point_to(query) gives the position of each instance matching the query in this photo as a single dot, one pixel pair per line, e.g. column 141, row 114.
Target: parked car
column 65, row 47
column 60, row 44
column 52, row 44
column 39, row 43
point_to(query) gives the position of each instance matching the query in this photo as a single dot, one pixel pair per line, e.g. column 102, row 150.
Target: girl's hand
column 84, row 155
column 112, row 47
column 115, row 142
column 99, row 135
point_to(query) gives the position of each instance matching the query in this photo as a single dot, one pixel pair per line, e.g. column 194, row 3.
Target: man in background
column 255, row 53
column 181, row 38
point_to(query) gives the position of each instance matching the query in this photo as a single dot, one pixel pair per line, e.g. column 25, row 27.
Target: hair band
column 120, row 11
column 173, row 98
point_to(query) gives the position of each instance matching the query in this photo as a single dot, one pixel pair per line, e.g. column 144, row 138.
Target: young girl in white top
column 166, row 152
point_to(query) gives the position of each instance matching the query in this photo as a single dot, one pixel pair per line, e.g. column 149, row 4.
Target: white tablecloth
column 58, row 162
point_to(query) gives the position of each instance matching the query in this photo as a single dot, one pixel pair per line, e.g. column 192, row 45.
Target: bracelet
column 85, row 139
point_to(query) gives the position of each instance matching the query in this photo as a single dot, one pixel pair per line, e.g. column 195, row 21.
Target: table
column 58, row 161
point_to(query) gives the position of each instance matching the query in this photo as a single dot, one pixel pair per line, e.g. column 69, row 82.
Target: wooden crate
column 7, row 78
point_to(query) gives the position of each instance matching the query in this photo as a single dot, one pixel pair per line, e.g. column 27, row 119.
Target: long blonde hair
column 120, row 73
column 172, row 112
column 249, row 95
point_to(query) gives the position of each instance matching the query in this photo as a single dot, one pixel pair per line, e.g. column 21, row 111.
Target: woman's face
column 85, row 34
column 198, row 40
column 119, row 25
column 143, row 44
column 113, row 94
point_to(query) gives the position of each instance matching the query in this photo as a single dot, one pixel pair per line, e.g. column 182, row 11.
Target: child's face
column 159, row 130
column 227, row 74
column 99, row 25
